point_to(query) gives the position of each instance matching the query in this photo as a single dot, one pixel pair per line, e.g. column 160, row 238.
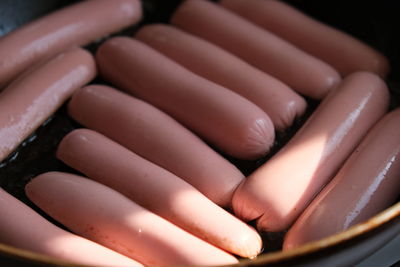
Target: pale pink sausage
column 302, row 72
column 222, row 117
column 342, row 51
column 27, row 102
column 280, row 102
column 23, row 228
column 281, row 189
column 368, row 183
column 158, row 190
column 103, row 215
column 157, row 137
column 74, row 25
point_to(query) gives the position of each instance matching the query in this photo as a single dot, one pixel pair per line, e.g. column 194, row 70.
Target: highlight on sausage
column 279, row 101
column 28, row 101
column 103, row 215
column 74, row 25
column 279, row 191
column 157, row 137
column 304, row 73
column 227, row 120
column 367, row 183
column 343, row 52
column 43, row 237
column 158, row 190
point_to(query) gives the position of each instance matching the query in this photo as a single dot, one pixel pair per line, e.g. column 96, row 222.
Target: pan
column 374, row 22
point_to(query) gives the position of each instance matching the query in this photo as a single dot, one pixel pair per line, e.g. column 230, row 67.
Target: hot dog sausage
column 368, row 182
column 301, row 71
column 157, row 137
column 342, row 51
column 74, row 25
column 107, row 217
column 23, row 228
column 30, row 100
column 280, row 102
column 222, row 117
column 158, row 190
column 281, row 189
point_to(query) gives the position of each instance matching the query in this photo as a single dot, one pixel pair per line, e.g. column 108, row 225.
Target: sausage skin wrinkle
column 220, row 116
column 103, row 215
column 281, row 189
column 158, row 190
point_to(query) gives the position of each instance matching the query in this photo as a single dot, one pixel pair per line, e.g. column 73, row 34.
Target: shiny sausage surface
column 220, row 116
column 28, row 101
column 75, row 25
column 154, row 135
column 278, row 192
column 343, row 52
column 23, row 228
column 280, row 102
column 368, row 182
column 105, row 216
column 302, row 72
column 158, row 190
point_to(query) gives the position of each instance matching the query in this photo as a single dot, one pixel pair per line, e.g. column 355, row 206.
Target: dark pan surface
column 374, row 22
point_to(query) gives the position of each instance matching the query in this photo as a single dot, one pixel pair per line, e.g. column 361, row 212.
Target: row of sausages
column 230, row 79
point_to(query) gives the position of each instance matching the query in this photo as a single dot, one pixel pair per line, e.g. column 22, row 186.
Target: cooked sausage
column 222, row 117
column 23, row 228
column 281, row 189
column 74, row 25
column 302, row 72
column 280, row 102
column 103, row 215
column 342, row 51
column 30, row 100
column 158, row 190
column 368, row 182
column 157, row 137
